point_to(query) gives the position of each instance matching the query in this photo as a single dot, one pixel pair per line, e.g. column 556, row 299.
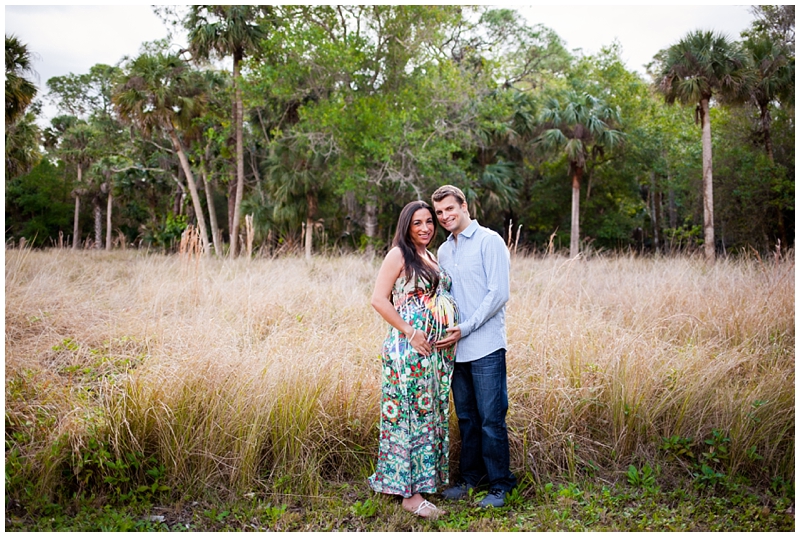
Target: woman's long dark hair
column 414, row 265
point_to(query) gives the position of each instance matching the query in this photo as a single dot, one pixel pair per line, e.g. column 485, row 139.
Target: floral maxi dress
column 415, row 401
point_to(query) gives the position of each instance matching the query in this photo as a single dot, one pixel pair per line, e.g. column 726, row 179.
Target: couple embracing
column 448, row 331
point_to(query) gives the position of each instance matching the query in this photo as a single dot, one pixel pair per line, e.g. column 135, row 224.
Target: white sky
column 641, row 30
column 70, row 39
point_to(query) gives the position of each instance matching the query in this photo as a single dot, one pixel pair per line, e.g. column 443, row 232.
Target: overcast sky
column 70, row 39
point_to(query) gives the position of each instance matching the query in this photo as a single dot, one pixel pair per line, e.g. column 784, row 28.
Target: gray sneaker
column 495, row 498
column 459, row 491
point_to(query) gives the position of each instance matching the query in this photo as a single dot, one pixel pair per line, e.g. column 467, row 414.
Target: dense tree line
column 334, row 117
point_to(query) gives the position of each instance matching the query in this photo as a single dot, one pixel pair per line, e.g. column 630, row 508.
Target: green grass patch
column 567, row 506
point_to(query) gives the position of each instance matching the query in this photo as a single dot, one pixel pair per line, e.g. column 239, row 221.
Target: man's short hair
column 449, row 190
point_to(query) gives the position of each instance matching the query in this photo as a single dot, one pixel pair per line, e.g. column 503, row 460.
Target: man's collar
column 468, row 231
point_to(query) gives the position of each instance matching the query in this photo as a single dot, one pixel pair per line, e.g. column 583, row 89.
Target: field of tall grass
column 127, row 372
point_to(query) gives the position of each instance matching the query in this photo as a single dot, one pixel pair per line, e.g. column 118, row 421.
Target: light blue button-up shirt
column 479, row 264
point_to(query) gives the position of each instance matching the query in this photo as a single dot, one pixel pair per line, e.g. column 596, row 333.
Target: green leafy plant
column 365, row 509
column 781, row 487
column 273, row 513
column 752, row 455
column 570, row 491
column 678, row 446
column 515, row 498
column 717, row 450
column 644, row 479
column 67, row 344
column 755, row 405
column 96, row 469
column 170, row 232
column 217, row 515
column 707, row 477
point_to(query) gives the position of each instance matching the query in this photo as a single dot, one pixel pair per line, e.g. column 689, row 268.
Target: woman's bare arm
column 389, row 272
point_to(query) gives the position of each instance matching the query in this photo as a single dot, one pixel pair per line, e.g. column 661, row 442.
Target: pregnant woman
column 413, row 295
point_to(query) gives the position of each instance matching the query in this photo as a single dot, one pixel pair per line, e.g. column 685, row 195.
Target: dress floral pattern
column 415, row 402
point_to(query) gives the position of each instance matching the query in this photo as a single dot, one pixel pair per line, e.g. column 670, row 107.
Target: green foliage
column 684, row 235
column 705, row 476
column 643, row 479
column 272, row 513
column 598, row 508
column 702, row 64
column 678, row 446
column 217, row 515
column 708, row 467
column 22, row 140
column 745, row 178
column 781, row 487
column 368, row 107
column 20, row 90
column 365, row 509
column 128, row 478
column 716, row 451
column 38, row 205
column 86, row 94
column 116, row 473
column 169, row 234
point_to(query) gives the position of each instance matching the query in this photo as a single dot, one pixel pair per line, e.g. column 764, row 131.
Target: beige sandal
column 425, row 504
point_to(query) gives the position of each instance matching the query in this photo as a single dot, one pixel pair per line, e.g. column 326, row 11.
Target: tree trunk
column 212, row 211
column 76, row 225
column 212, row 216
column 98, row 223
column 109, row 207
column 231, row 202
column 575, row 230
column 238, row 119
column 655, row 198
column 311, row 200
column 177, row 206
column 673, row 207
column 76, row 228
column 198, row 208
column 766, row 122
column 371, row 223
column 708, row 188
column 766, row 127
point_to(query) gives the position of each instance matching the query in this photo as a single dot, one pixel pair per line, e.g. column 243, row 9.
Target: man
column 478, row 262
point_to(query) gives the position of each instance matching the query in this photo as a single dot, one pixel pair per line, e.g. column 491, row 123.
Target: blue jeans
column 481, row 397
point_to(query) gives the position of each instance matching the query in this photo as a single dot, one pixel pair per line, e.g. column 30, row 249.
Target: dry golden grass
column 613, row 354
column 239, row 373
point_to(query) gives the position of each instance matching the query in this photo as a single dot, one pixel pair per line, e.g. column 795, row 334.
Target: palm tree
column 20, row 91
column 499, row 153
column 773, row 79
column 700, row 66
column 298, row 171
column 21, row 135
column 580, row 125
column 228, row 30
column 160, row 92
column 22, row 140
column 76, row 148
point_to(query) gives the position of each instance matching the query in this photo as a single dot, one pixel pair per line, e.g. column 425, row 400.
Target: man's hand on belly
column 453, row 335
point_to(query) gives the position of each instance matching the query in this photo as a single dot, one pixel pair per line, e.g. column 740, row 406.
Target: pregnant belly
column 433, row 314
column 442, row 313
